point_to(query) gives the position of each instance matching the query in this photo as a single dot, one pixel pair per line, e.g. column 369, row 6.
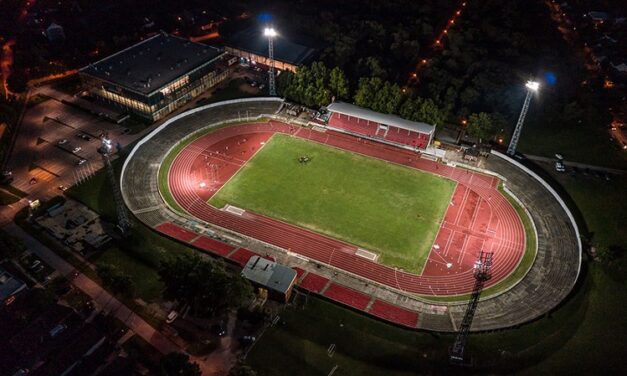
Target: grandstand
column 360, row 121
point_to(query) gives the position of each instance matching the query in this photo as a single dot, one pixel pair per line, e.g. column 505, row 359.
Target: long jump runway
column 478, row 218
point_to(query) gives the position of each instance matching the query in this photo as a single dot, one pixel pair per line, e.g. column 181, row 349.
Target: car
column 262, row 86
column 62, row 141
column 559, row 166
column 77, row 149
column 253, row 83
column 171, row 317
column 125, row 131
column 35, row 264
column 81, row 161
column 32, row 181
column 218, row 329
column 7, row 173
column 247, row 340
column 62, row 188
column 559, row 157
column 83, row 136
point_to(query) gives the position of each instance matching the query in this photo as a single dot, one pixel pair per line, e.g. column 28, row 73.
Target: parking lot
column 58, row 145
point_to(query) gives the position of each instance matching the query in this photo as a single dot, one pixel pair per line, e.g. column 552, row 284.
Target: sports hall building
column 155, row 76
column 393, row 129
column 251, row 46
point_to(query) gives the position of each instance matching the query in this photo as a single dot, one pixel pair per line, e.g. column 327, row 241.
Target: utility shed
column 277, row 279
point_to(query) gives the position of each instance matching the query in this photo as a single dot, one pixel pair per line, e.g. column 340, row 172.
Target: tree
column 367, row 90
column 205, row 285
column 424, row 110
column 430, row 113
column 480, row 126
column 118, row 281
column 338, row 84
column 178, row 364
column 17, row 82
column 241, row 369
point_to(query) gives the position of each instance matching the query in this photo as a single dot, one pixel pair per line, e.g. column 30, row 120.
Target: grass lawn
column 7, row 198
column 383, row 207
column 146, row 279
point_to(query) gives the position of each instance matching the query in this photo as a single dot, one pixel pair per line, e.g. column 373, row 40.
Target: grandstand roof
column 153, row 63
column 269, row 274
column 377, row 117
column 252, row 40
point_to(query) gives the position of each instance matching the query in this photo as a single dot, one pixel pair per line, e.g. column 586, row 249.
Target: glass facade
column 158, row 104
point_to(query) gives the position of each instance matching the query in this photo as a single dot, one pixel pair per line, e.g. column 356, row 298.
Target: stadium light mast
column 532, row 88
column 271, row 33
column 106, row 148
column 482, row 271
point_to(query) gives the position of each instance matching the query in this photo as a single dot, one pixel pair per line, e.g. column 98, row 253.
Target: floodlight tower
column 482, row 273
column 270, row 33
column 124, row 224
column 532, row 88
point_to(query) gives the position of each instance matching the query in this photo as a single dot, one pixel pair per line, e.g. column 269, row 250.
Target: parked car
column 247, row 340
column 262, row 86
column 83, row 136
column 81, row 161
column 77, row 149
column 62, row 188
column 559, row 166
column 62, row 141
column 171, row 317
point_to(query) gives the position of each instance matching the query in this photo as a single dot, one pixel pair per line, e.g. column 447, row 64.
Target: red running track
column 479, row 217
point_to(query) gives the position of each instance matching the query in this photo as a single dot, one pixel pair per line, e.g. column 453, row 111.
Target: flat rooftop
column 153, row 63
column 377, row 117
column 269, row 274
column 9, row 285
column 253, row 41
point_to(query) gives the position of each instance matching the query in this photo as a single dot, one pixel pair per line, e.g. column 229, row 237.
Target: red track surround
column 479, row 216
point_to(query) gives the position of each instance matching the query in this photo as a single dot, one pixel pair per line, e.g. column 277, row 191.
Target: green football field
column 391, row 210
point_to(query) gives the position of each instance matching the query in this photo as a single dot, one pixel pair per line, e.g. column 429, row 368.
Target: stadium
column 361, row 206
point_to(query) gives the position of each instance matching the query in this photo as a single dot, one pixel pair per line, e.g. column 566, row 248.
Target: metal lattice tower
column 532, row 87
column 270, row 33
column 482, row 273
column 124, row 224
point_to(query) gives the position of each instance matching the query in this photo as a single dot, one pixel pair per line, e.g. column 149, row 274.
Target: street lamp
column 270, row 33
column 532, row 87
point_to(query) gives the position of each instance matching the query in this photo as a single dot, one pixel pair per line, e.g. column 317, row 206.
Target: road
column 6, row 62
column 217, row 363
column 577, row 164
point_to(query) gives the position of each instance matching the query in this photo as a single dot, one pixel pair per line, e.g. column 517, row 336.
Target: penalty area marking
column 234, row 209
column 367, row 254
